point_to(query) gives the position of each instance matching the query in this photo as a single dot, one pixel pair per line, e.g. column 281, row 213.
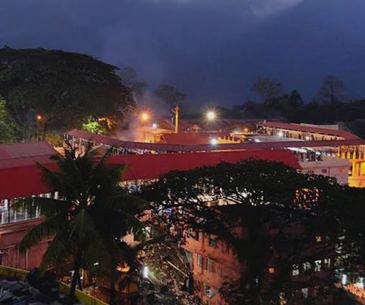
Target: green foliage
column 88, row 220
column 268, row 201
column 93, row 125
column 9, row 131
column 63, row 86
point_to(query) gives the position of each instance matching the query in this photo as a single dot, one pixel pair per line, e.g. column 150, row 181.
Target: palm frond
column 58, row 255
column 46, row 229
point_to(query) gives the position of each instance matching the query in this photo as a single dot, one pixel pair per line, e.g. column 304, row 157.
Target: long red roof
column 21, row 181
column 151, row 166
column 23, row 154
column 311, row 129
column 110, row 141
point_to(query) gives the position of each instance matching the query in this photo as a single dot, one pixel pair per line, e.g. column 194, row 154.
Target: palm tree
column 88, row 220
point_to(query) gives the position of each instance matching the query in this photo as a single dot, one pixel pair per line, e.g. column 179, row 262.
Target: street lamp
column 213, row 141
column 39, row 122
column 145, row 116
column 211, row 115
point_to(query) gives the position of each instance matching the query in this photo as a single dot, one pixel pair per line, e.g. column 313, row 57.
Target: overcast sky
column 210, row 49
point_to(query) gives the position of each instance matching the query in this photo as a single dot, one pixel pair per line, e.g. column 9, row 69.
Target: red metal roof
column 21, row 181
column 191, row 138
column 311, row 129
column 208, row 147
column 23, row 154
column 151, row 166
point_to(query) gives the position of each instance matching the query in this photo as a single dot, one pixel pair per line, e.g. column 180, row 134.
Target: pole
column 176, row 119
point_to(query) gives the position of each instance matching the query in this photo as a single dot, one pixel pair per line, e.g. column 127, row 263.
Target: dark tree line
column 330, row 104
column 268, row 201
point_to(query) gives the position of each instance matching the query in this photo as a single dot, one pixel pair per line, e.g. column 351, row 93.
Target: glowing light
column 360, row 283
column 154, row 125
column 271, row 270
column 344, row 279
column 211, row 115
column 145, row 272
column 280, row 134
column 214, row 141
column 39, row 117
column 145, row 116
column 307, row 138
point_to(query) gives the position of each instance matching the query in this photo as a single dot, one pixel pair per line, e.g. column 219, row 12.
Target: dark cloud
column 211, row 49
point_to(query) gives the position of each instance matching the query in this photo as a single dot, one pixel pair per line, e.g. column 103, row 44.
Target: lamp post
column 39, row 119
column 176, row 112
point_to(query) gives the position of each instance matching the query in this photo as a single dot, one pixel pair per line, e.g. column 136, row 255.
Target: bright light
column 154, row 125
column 344, row 279
column 280, row 134
column 39, row 117
column 145, row 116
column 211, row 115
column 360, row 283
column 214, row 141
column 307, row 138
column 145, row 272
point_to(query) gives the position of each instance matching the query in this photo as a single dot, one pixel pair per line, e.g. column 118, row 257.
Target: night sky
column 210, row 49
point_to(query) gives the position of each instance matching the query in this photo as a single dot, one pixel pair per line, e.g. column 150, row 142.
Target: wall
column 10, row 237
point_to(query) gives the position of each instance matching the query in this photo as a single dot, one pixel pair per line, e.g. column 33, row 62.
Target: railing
column 64, row 288
column 11, row 216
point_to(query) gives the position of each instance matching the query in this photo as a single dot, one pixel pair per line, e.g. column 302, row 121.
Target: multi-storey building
column 313, row 150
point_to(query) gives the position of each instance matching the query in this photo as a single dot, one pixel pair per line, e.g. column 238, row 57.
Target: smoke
column 263, row 8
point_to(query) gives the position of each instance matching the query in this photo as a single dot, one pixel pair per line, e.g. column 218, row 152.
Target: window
column 324, row 170
column 295, row 271
column 212, row 241
column 305, row 292
column 189, row 257
column 317, row 265
column 307, row 266
column 210, row 265
column 200, row 260
column 327, row 263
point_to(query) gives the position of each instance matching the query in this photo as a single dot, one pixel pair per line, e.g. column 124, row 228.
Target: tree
column 266, row 88
column 332, row 90
column 89, row 218
column 290, row 106
column 93, row 125
column 9, row 131
column 63, row 87
column 130, row 79
column 267, row 200
column 170, row 95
